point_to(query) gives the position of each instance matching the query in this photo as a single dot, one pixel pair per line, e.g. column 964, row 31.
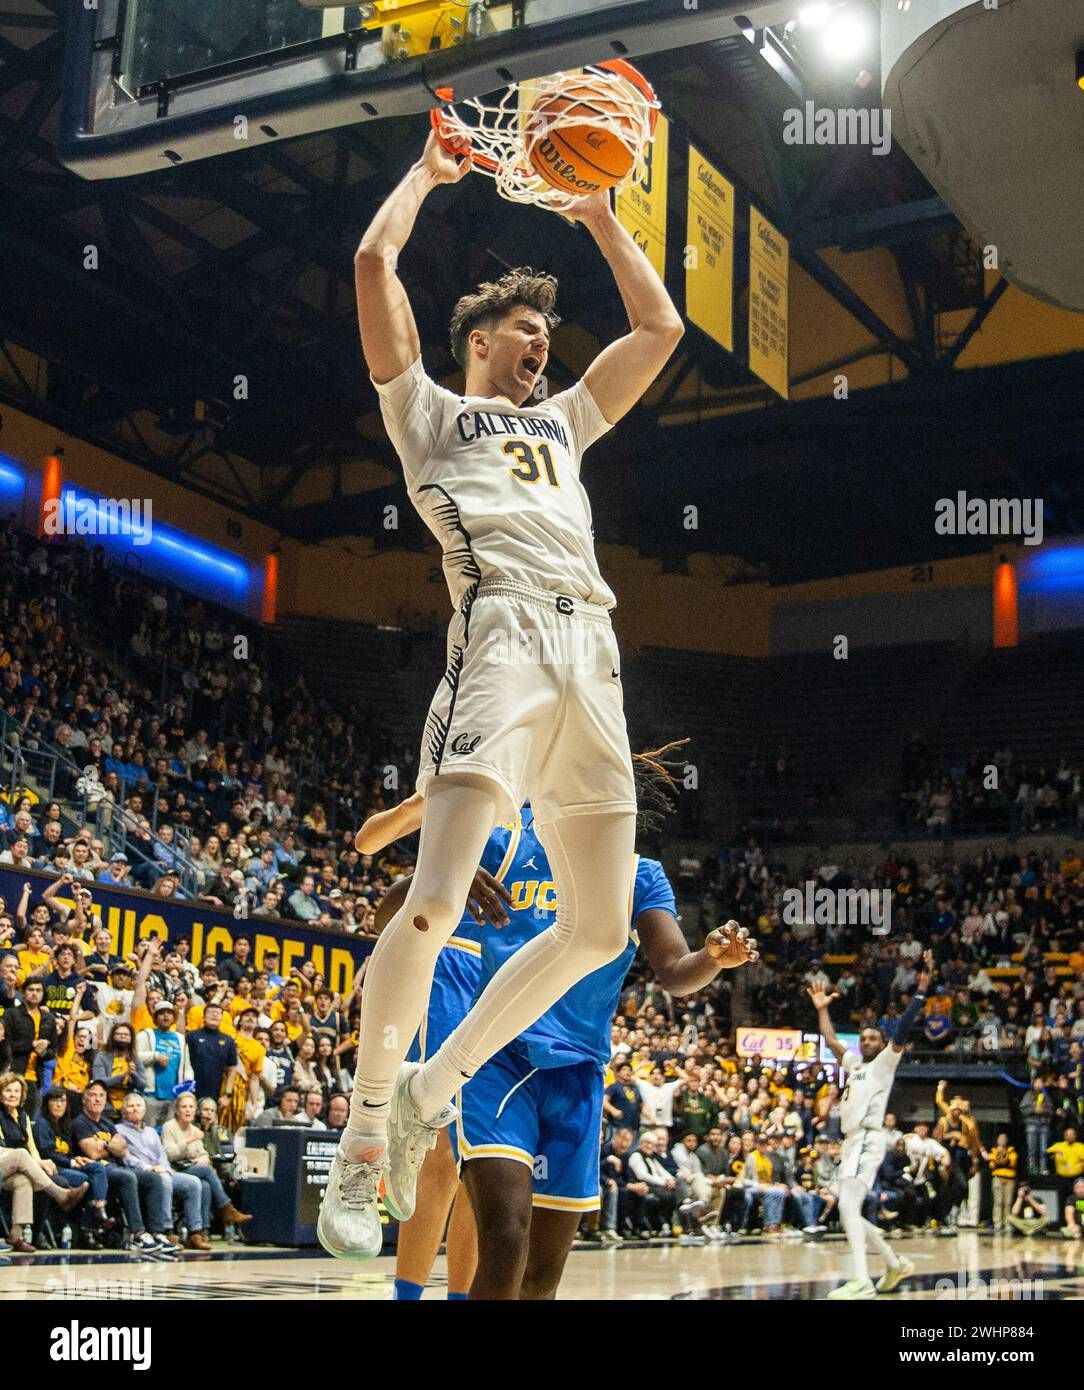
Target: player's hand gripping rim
column 731, row 946
column 447, row 156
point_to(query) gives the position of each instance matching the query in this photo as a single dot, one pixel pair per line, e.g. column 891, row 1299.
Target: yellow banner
column 709, row 251
column 769, row 272
column 641, row 206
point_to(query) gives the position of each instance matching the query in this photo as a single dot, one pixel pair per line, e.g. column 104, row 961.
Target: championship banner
column 709, row 252
column 776, row 1044
column 769, row 291
column 641, row 206
column 131, row 916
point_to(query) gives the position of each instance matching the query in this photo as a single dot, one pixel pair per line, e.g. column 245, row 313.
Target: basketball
column 568, row 140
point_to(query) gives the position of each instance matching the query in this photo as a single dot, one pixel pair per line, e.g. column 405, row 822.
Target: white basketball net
column 502, row 134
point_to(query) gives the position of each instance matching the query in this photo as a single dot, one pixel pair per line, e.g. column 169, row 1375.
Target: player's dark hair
column 495, row 299
column 653, row 773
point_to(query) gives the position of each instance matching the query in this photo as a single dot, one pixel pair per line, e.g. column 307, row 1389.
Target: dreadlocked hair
column 495, row 298
column 653, row 772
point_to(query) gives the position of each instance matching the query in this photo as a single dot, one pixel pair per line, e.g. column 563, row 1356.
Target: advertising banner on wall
column 131, row 916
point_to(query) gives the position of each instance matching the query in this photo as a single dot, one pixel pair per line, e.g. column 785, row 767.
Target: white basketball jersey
column 499, row 484
column 869, row 1084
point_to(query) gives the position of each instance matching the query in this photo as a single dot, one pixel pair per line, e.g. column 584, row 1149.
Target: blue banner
column 131, row 916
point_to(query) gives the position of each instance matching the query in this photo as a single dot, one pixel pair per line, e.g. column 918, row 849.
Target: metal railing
column 21, row 763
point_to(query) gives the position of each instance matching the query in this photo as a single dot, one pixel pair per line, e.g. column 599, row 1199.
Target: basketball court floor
column 969, row 1267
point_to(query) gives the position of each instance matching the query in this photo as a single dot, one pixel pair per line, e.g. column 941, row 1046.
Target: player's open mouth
column 533, row 365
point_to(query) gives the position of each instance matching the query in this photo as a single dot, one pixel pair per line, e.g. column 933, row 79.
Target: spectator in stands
column 305, row 1077
column 163, row 1053
column 185, row 1146
column 118, row 1067
column 614, row 1177
column 302, row 903
column 937, row 1029
column 958, row 1118
column 286, row 1112
column 213, row 1056
column 1003, row 1163
column 31, row 1032
column 313, row 1108
column 761, row 1183
column 652, row 1193
column 1073, row 1211
column 157, row 1182
column 1028, row 1215
column 117, row 874
column 697, row 1108
column 21, row 1172
column 55, row 1144
column 18, row 856
column 658, row 1096
column 623, row 1103
column 239, row 965
column 1068, row 1163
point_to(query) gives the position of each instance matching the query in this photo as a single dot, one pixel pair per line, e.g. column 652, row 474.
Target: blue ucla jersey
column 577, row 1027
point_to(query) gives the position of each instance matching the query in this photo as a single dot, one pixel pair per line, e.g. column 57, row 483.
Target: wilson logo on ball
column 546, row 151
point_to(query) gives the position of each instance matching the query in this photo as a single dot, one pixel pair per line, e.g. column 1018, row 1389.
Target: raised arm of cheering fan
column 389, row 335
column 622, row 372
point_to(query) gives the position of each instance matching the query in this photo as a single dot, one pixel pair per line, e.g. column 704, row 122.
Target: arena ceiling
column 241, row 267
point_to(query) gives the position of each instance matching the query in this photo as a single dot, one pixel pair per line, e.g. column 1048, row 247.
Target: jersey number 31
column 527, row 469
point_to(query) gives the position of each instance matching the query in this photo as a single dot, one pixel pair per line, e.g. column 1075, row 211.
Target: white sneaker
column 409, row 1139
column 853, row 1290
column 893, row 1278
column 154, row 1247
column 349, row 1226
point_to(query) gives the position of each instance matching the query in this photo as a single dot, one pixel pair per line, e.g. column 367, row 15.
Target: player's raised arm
column 389, row 335
column 820, row 1000
column 383, row 827
column 622, row 372
column 915, row 1007
column 681, row 971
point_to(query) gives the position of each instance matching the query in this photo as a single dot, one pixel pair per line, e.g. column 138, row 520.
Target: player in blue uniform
column 455, row 984
column 528, row 1128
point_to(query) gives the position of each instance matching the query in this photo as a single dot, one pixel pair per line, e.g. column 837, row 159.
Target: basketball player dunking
column 865, row 1099
column 494, row 473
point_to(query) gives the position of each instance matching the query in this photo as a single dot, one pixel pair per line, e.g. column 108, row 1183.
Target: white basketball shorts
column 531, row 698
column 861, row 1156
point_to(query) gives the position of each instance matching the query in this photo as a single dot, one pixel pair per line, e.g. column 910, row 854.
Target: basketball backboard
column 155, row 83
